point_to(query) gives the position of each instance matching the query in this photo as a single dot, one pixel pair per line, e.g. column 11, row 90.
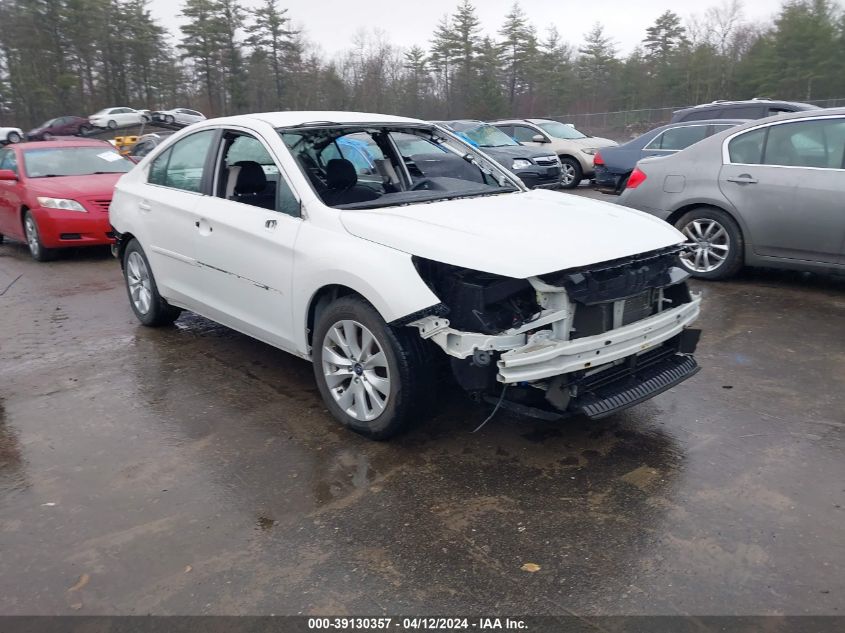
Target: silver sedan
column 766, row 193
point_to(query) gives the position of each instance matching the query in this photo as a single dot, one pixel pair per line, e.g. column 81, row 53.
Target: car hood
column 593, row 141
column 513, row 151
column 514, row 235
column 93, row 186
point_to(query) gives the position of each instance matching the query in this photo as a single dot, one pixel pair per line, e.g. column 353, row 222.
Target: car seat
column 343, row 187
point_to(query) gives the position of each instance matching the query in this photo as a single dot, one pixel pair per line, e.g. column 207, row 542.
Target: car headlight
column 61, row 203
column 590, row 150
column 521, row 163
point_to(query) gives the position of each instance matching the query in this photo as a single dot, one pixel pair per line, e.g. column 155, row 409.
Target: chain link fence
column 623, row 125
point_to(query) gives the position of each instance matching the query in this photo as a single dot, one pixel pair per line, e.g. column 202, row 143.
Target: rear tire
column 571, row 173
column 13, row 137
column 170, row 119
column 147, row 304
column 716, row 243
column 33, row 240
column 374, row 379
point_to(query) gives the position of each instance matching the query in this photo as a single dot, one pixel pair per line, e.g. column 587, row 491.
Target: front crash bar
column 542, row 356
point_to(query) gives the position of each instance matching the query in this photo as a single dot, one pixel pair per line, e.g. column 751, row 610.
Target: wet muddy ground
column 193, row 470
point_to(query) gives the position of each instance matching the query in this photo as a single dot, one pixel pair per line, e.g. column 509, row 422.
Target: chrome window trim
column 726, row 158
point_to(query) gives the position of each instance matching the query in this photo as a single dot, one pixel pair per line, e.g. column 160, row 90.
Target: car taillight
column 597, row 159
column 636, row 178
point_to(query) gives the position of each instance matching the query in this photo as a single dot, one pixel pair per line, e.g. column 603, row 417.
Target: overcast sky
column 332, row 23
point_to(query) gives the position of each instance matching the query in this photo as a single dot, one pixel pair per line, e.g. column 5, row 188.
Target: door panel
column 245, row 244
column 10, row 192
column 168, row 203
column 246, row 258
column 791, row 200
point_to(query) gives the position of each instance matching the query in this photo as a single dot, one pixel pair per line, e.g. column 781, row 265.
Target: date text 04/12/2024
column 416, row 623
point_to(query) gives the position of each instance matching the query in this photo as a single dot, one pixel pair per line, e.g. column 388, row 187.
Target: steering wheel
column 423, row 184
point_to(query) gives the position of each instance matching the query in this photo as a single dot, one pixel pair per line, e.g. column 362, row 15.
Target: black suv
column 537, row 168
column 750, row 109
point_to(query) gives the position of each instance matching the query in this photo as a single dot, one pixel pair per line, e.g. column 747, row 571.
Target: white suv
column 371, row 244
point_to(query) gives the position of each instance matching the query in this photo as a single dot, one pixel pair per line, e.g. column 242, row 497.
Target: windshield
column 74, row 161
column 364, row 167
column 561, row 130
column 484, row 135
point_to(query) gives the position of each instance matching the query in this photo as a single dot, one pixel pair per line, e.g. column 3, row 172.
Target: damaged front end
column 591, row 341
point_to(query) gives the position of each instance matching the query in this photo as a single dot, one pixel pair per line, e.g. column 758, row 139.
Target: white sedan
column 11, row 135
column 371, row 244
column 113, row 118
column 179, row 116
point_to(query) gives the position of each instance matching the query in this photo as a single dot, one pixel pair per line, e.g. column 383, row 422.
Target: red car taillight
column 597, row 159
column 636, row 178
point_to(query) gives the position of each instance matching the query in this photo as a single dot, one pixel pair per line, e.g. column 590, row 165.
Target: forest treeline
column 77, row 56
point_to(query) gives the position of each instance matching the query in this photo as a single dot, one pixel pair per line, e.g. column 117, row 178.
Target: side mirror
column 539, row 138
column 8, row 174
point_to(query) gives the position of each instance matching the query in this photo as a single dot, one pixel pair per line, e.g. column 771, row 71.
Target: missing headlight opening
column 591, row 340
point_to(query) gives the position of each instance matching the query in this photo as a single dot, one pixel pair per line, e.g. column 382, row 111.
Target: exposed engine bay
column 591, row 340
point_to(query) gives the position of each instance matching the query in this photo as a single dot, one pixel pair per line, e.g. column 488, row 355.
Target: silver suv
column 575, row 149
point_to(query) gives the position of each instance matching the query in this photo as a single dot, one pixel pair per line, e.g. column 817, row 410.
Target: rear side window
column 679, row 138
column 181, row 166
column 818, row 143
column 747, row 149
column 715, row 129
column 743, row 112
column 699, row 114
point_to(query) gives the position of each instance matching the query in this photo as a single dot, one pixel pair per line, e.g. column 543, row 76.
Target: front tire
column 33, row 240
column 112, row 124
column 714, row 243
column 147, row 304
column 374, row 378
column 571, row 173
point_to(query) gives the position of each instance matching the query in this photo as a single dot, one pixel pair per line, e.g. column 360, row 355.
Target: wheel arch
column 320, row 300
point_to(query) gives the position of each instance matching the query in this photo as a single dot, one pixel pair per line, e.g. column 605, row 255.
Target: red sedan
column 56, row 194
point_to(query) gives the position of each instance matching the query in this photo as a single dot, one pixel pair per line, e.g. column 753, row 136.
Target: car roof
column 288, row 119
column 63, row 141
column 740, row 102
column 785, row 116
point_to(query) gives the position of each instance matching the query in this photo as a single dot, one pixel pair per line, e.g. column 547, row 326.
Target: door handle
column 743, row 179
column 144, row 206
column 270, row 225
column 202, row 224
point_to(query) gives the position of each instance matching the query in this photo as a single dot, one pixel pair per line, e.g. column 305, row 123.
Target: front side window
column 379, row 165
column 817, row 143
column 249, row 175
column 181, row 166
column 561, row 130
column 74, row 161
column 524, row 134
column 747, row 149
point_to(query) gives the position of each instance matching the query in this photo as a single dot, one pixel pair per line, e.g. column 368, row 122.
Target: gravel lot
column 193, row 470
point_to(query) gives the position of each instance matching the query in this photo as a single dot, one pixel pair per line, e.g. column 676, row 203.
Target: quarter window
column 181, row 167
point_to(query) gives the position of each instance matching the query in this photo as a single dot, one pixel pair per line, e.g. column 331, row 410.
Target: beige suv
column 576, row 150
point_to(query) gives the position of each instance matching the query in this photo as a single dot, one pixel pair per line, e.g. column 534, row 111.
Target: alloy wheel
column 14, row 137
column 355, row 369
column 138, row 280
column 567, row 174
column 708, row 247
column 32, row 241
